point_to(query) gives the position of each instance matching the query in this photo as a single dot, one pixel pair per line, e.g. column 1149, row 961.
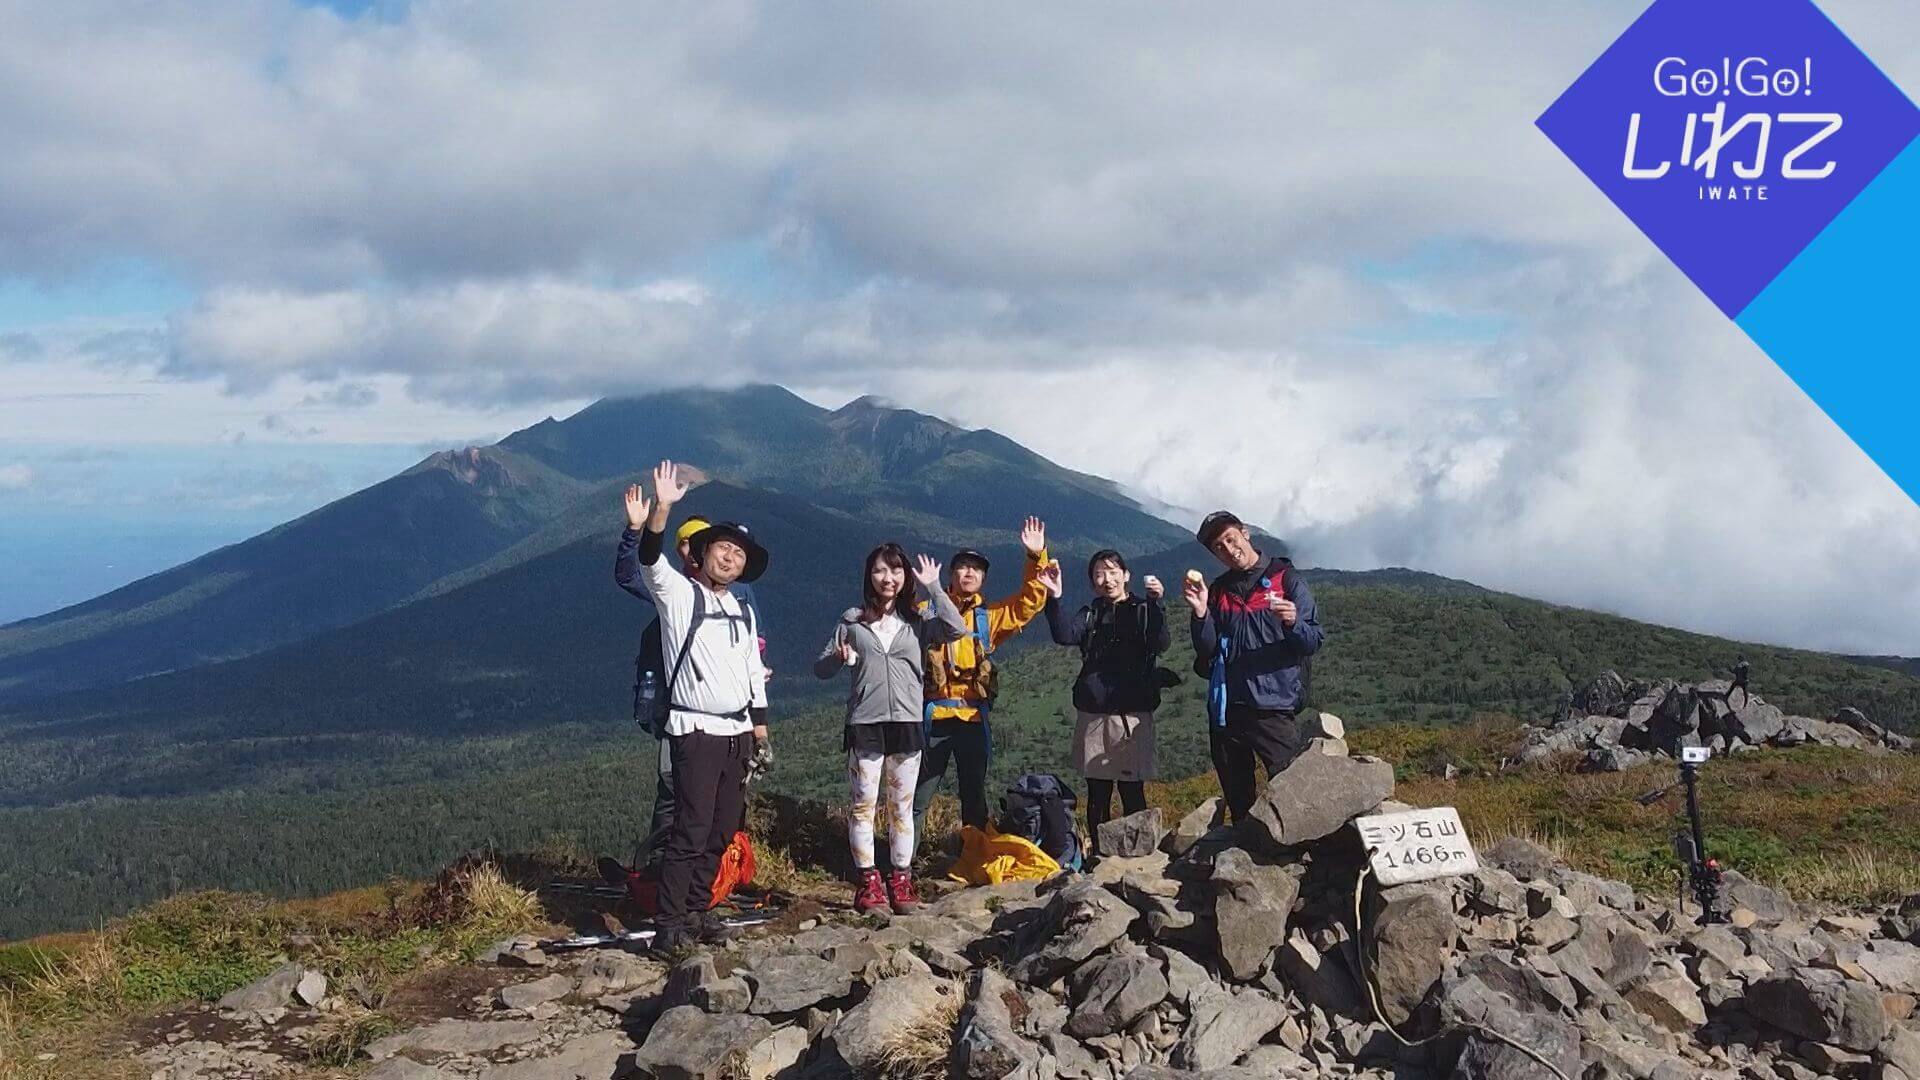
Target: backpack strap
column 982, row 635
column 700, row 615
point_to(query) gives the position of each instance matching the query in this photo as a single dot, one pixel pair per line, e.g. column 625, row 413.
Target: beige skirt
column 1114, row 746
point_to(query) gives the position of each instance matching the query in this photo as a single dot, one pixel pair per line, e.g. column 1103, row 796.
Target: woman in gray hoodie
column 884, row 643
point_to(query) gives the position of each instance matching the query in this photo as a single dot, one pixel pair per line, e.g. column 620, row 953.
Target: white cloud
column 15, row 477
column 1318, row 267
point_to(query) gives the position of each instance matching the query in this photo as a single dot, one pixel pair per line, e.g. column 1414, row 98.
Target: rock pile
column 1615, row 725
column 1226, row 954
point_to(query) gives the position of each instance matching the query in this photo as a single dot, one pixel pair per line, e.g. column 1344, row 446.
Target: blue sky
column 254, row 244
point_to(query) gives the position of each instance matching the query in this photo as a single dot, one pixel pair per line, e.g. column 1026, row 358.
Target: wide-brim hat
column 739, row 534
column 966, row 555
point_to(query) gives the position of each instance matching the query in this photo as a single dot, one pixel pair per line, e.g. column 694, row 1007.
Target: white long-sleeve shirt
column 723, row 676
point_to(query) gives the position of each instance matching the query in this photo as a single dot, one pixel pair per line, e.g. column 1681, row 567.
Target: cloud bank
column 1315, row 264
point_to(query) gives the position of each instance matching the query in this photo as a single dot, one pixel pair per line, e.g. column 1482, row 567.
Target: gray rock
column 1252, row 903
column 787, row 984
column 399, row 1068
column 1605, row 695
column 1135, row 836
column 271, row 991
column 777, row 1054
column 1755, row 721
column 1669, row 999
column 1186, row 979
column 688, row 975
column 1608, row 945
column 1151, row 1071
column 1470, row 1004
column 522, row 955
column 1820, row 1005
column 1110, row 993
column 311, row 990
column 985, row 1044
column 1493, row 891
column 1527, row 985
column 1611, row 759
column 467, row 1037
column 1199, row 821
column 1549, row 931
column 896, row 1005
column 1833, row 1061
column 1893, row 964
column 612, row 972
column 1223, row 1027
column 728, row 995
column 537, row 992
column 687, row 1043
column 1079, row 920
column 942, row 961
column 1413, row 940
column 1316, row 795
column 1771, row 905
column 1714, row 953
column 1901, row 1049
column 1167, row 907
column 599, row 1056
column 1321, row 978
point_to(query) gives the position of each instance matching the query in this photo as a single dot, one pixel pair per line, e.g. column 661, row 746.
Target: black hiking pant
column 1271, row 735
column 709, row 792
column 653, row 849
column 1133, row 799
column 966, row 744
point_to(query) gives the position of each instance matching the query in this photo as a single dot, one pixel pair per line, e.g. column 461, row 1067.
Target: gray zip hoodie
column 888, row 683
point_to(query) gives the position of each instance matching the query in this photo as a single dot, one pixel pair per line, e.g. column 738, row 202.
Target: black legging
column 1133, row 799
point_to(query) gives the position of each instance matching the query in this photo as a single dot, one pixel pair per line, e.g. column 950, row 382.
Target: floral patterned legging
column 864, row 777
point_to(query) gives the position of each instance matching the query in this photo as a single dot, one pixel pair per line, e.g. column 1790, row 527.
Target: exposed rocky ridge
column 1614, row 724
column 1218, row 954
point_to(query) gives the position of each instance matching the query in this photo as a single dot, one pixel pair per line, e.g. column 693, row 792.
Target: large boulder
column 1413, row 935
column 1109, row 994
column 1822, row 1005
column 1252, row 903
column 1610, row 946
column 1606, row 695
column 1895, row 965
column 985, row 1044
column 689, row 1043
column 1198, row 822
column 1316, row 795
column 1755, row 721
column 467, row 1037
column 1081, row 919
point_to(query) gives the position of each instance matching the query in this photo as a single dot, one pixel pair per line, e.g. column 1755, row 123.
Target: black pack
column 1039, row 807
column 652, row 682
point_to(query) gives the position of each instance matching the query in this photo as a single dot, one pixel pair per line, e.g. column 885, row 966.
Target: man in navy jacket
column 1253, row 630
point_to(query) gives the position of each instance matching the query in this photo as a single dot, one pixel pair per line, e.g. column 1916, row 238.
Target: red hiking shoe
column 901, row 893
column 870, row 894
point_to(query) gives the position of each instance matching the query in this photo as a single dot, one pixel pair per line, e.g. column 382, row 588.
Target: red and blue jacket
column 1247, row 656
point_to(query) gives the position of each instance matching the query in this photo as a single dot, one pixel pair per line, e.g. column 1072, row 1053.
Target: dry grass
column 342, row 1038
column 922, row 1049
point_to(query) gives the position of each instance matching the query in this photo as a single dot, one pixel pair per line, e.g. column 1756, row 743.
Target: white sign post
column 1417, row 845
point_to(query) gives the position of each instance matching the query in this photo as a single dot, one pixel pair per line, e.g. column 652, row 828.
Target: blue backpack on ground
column 1040, row 807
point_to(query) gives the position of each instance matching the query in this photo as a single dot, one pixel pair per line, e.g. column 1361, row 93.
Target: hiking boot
column 871, row 894
column 709, row 929
column 900, row 892
column 671, row 941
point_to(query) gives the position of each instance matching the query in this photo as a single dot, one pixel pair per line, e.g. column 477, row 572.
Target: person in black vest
column 1254, row 629
column 1120, row 637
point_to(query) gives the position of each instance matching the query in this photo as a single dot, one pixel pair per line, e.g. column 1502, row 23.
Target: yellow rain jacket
column 956, row 671
column 990, row 857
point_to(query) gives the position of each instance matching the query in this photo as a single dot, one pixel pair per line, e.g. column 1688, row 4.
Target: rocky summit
column 1211, row 952
column 1614, row 725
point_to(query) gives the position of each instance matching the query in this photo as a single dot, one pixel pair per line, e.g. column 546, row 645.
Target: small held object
column 1194, row 577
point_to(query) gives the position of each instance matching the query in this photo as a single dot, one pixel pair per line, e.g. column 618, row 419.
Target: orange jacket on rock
column 956, row 671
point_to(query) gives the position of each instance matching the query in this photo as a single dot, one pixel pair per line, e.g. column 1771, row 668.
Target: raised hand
column 1155, row 590
column 1196, row 593
column 638, row 506
column 1034, row 535
column 926, row 571
column 666, row 484
column 1050, row 577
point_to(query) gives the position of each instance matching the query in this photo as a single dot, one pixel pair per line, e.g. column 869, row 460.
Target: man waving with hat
column 960, row 678
column 717, row 696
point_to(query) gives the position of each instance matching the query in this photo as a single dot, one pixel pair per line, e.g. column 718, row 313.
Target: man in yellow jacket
column 961, row 681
